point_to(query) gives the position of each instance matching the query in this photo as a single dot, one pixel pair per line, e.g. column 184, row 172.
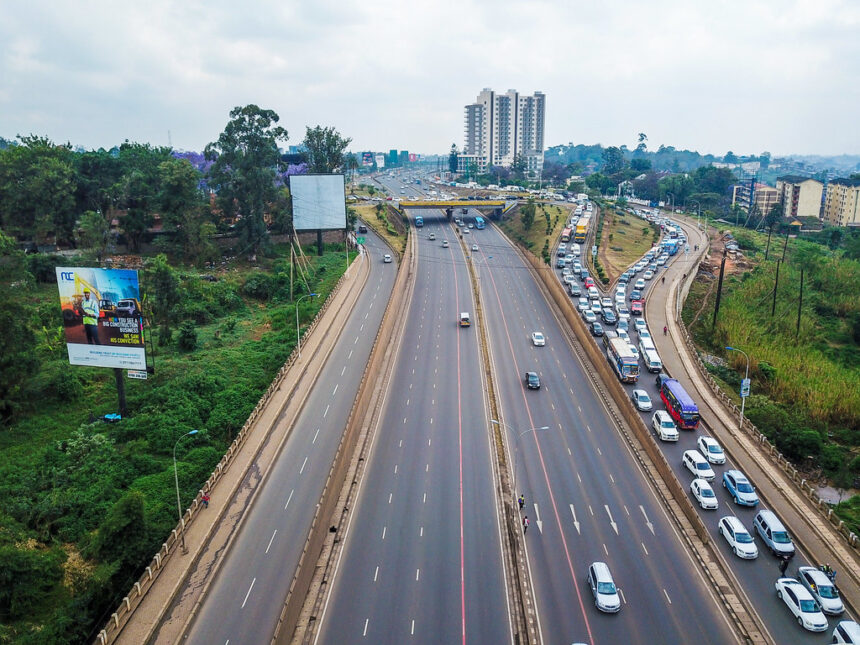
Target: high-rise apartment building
column 800, row 196
column 762, row 195
column 501, row 127
column 842, row 203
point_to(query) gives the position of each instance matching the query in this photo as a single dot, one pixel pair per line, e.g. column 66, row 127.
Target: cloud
column 746, row 76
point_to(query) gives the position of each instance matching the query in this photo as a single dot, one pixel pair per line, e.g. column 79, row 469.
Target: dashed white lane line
column 383, row 532
column 271, row 539
column 350, row 355
column 366, row 620
column 667, row 596
column 643, row 548
column 326, row 411
column 302, row 469
column 315, row 435
column 335, row 389
column 390, row 496
column 289, row 499
column 249, row 592
column 417, row 574
column 343, row 370
column 355, row 341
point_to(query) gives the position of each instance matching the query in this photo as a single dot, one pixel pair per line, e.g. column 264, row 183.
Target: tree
column 613, row 160
column 640, row 165
column 164, row 294
column 137, row 196
column 680, row 187
column 183, row 210
column 600, row 182
column 834, row 237
column 245, row 162
column 17, row 359
column 774, row 215
column 92, row 233
column 528, row 214
column 325, row 149
column 452, row 158
column 708, row 179
column 730, row 157
column 518, row 167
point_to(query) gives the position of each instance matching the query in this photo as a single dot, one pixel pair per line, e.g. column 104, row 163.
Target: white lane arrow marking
column 647, row 521
column 575, row 523
column 538, row 520
column 611, row 521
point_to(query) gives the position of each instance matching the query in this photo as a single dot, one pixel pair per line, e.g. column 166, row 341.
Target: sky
column 748, row 76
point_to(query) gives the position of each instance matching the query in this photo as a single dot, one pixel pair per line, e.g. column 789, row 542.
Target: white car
column 583, row 305
column 801, row 603
column 568, row 279
column 589, row 316
column 444, row 244
column 641, row 400
column 474, row 247
column 704, row 494
column 432, row 236
column 661, row 261
column 822, row 589
column 623, row 335
column 663, row 426
column 634, row 350
column 696, row 464
column 739, row 539
column 640, row 284
column 619, row 300
column 386, row 258
column 648, row 275
column 643, row 333
column 846, row 631
column 562, row 247
column 640, row 325
column 596, row 307
column 606, row 303
column 712, row 451
column 538, row 339
column 603, row 588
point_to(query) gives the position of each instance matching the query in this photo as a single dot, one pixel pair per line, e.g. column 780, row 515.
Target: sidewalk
column 817, row 537
column 172, row 598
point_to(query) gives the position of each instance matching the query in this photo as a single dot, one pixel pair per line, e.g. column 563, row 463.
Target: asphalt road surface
column 754, row 578
column 245, row 600
column 422, row 561
column 586, row 498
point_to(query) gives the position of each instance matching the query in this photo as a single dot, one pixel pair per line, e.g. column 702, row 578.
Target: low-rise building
column 762, row 195
column 800, row 196
column 842, row 203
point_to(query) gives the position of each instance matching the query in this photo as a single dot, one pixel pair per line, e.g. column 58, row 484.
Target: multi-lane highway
column 246, row 598
column 754, row 578
column 586, row 498
column 423, row 557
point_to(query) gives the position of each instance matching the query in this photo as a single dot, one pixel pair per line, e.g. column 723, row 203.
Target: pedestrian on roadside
column 783, row 565
column 522, row 501
column 205, row 499
column 525, row 524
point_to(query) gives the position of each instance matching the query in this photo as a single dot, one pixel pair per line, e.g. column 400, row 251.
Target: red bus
column 565, row 234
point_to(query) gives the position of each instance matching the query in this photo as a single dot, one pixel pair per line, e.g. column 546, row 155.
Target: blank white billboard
column 319, row 202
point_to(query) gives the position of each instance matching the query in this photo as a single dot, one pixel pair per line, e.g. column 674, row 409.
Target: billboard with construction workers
column 102, row 318
column 319, row 202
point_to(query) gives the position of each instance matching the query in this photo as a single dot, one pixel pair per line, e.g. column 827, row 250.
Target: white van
column 646, row 345
column 652, row 360
column 576, row 250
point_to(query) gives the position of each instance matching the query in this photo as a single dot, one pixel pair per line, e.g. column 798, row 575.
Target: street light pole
column 516, row 446
column 745, row 384
column 176, row 479
column 298, row 336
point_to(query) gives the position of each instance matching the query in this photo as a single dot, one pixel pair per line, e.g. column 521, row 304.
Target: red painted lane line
column 460, row 447
column 543, row 465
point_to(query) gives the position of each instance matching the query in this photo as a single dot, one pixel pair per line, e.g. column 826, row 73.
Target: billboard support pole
column 120, row 391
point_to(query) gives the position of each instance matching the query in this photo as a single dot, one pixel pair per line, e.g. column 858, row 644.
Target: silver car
column 822, row 589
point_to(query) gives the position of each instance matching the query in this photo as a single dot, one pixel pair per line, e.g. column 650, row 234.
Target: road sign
column 745, row 388
column 594, row 250
column 359, row 240
column 141, row 374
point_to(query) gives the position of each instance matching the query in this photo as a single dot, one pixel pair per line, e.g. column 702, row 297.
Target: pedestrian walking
column 525, row 524
column 522, row 501
column 205, row 499
column 783, row 565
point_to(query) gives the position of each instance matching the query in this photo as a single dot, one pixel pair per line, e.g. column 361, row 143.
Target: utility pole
column 767, row 250
column 785, row 247
column 719, row 290
column 799, row 307
column 775, row 287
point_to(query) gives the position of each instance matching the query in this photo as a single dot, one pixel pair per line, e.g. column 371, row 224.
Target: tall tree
column 452, row 158
column 613, row 160
column 730, row 157
column 245, row 163
column 183, row 210
column 774, row 215
column 92, row 233
column 325, row 149
column 164, row 294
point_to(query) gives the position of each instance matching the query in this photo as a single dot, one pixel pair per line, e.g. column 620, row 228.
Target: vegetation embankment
column 383, row 220
column 625, row 239
column 804, row 379
column 86, row 504
column 536, row 226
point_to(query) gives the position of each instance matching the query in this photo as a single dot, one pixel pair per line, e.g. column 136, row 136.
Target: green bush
column 187, row 338
column 27, row 577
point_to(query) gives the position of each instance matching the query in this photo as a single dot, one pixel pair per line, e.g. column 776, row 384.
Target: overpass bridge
column 492, row 207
